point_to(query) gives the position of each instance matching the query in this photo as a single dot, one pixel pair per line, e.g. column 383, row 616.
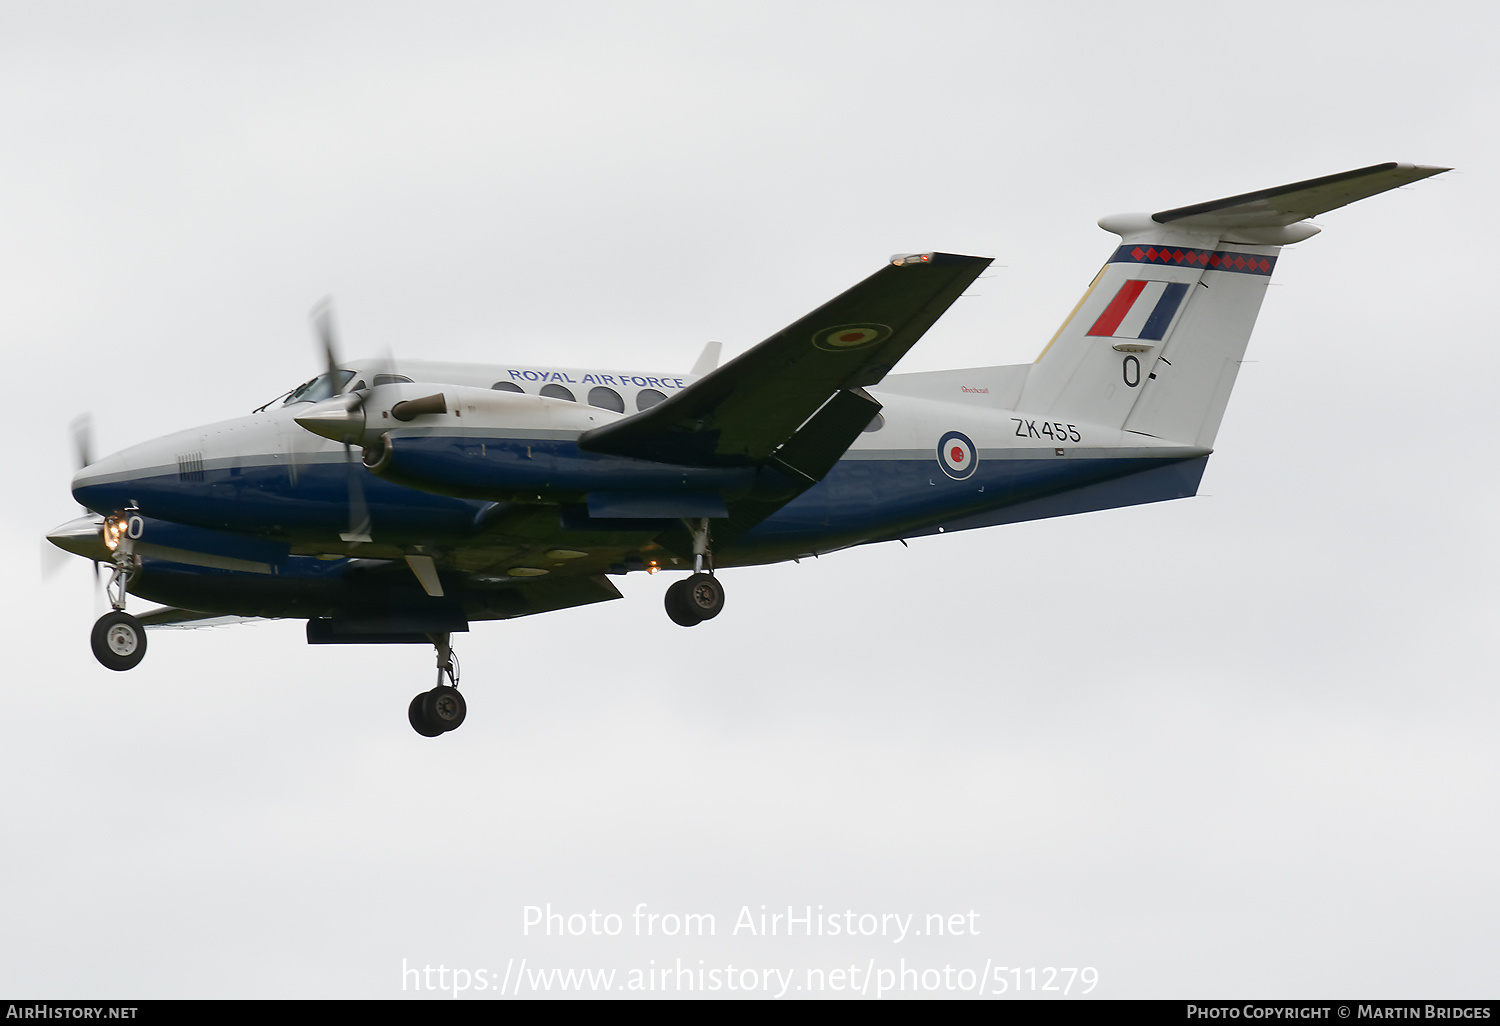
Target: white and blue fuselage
column 946, row 452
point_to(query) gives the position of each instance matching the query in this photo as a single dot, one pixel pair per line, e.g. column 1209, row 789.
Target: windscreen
column 319, row 388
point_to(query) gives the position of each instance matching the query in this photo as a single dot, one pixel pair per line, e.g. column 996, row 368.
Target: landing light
column 114, row 528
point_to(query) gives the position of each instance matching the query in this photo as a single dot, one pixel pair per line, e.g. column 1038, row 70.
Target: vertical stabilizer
column 1157, row 340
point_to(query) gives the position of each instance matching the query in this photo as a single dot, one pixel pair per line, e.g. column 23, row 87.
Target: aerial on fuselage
column 400, row 502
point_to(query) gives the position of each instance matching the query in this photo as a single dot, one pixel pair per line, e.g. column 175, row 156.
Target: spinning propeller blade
column 83, row 440
column 54, row 555
column 359, row 509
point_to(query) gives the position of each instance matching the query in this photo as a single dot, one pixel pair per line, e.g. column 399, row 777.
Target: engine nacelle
column 478, row 465
column 502, row 446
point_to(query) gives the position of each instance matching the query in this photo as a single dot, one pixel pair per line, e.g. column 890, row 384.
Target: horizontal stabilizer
column 1288, row 204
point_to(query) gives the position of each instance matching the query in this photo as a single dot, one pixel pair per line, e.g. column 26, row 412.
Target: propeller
column 359, row 509
column 323, row 324
column 53, row 553
column 83, row 440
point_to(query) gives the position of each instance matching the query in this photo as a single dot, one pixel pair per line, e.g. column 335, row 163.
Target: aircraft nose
column 101, row 485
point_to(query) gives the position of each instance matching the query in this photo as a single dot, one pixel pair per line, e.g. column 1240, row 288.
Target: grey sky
column 1238, row 745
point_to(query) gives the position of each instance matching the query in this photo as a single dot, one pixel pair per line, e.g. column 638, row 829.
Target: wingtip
column 934, row 257
column 1415, row 171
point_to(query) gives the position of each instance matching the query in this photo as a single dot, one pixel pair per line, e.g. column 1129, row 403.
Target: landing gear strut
column 442, row 709
column 118, row 639
column 701, row 596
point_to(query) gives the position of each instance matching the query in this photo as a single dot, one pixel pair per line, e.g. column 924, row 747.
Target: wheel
column 119, row 640
column 705, row 595
column 679, row 606
column 443, row 707
column 418, row 719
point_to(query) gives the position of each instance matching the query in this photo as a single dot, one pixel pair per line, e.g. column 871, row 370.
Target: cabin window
column 506, row 386
column 876, row 423
column 647, row 398
column 555, row 391
column 606, row 399
column 392, row 379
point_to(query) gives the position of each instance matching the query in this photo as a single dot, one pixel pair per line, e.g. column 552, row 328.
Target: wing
column 739, row 414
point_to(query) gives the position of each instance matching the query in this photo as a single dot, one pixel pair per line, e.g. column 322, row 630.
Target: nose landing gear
column 442, row 709
column 118, row 639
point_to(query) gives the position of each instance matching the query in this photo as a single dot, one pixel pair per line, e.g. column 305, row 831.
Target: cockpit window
column 319, row 388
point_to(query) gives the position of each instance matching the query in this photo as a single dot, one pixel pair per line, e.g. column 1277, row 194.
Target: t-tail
column 1155, row 343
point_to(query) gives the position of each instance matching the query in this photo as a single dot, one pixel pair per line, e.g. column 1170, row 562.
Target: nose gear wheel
column 118, row 640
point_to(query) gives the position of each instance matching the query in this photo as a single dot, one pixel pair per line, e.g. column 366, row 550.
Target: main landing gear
column 119, row 639
column 689, row 602
column 701, row 596
column 442, row 709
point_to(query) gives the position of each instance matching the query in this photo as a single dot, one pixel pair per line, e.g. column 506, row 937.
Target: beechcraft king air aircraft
column 401, row 503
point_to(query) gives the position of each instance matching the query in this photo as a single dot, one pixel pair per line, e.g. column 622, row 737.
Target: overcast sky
column 1241, row 745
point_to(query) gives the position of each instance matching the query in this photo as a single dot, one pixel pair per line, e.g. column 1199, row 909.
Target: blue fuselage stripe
column 858, row 500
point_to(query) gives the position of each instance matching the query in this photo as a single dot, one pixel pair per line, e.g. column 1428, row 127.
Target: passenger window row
column 609, row 399
column 599, row 396
column 603, row 398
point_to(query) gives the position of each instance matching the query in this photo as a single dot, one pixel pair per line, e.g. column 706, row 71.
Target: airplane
column 399, row 504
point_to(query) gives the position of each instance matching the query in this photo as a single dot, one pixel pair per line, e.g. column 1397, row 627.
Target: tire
column 444, row 708
column 418, row 719
column 704, row 595
column 119, row 641
column 679, row 607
